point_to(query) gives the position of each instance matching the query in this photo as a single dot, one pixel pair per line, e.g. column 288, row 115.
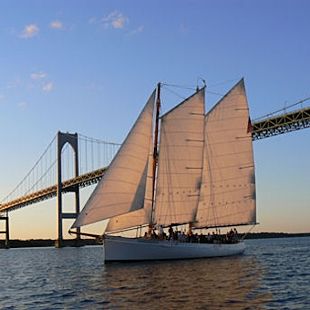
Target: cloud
column 56, row 24
column 17, row 82
column 38, row 75
column 22, row 105
column 30, row 31
column 48, row 87
column 115, row 20
column 137, row 30
column 93, row 20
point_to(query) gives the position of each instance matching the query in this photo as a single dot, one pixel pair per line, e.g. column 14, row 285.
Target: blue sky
column 89, row 66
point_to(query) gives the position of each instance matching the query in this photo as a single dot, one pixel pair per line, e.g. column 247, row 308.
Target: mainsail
column 180, row 162
column 227, row 194
column 122, row 188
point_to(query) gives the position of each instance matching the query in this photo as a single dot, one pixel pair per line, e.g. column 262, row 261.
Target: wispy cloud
column 93, row 20
column 38, row 75
column 56, row 24
column 115, row 20
column 184, row 29
column 48, row 87
column 30, row 31
column 137, row 30
column 22, row 105
column 17, row 82
column 39, row 79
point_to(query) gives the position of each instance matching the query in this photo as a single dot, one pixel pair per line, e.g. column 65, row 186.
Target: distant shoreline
column 34, row 243
column 267, row 235
column 72, row 242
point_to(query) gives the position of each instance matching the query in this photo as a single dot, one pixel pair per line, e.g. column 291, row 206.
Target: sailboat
column 185, row 167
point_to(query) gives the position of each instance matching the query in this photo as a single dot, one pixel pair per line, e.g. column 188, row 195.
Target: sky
column 89, row 67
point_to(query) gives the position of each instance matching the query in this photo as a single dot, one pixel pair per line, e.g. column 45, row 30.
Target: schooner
column 185, row 167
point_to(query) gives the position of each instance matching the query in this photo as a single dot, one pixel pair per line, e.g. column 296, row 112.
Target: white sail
column 130, row 220
column 122, row 188
column 227, row 195
column 141, row 216
column 180, row 162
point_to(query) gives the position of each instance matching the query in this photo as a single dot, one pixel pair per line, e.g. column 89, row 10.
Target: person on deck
column 160, row 232
column 170, row 231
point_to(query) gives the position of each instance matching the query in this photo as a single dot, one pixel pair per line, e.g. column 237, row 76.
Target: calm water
column 273, row 274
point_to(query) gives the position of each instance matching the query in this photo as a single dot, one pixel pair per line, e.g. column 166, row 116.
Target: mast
column 155, row 153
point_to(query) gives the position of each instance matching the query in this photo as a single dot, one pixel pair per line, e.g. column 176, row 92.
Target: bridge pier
column 6, row 230
column 62, row 139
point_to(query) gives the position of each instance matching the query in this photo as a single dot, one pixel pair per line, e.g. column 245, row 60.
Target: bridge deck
column 280, row 124
column 49, row 192
column 263, row 129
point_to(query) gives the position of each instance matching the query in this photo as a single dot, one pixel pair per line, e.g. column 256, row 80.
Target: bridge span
column 50, row 192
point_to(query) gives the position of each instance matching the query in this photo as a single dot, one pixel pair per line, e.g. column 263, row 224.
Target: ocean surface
column 272, row 274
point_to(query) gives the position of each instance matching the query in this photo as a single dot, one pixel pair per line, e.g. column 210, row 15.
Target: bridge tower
column 62, row 139
column 6, row 229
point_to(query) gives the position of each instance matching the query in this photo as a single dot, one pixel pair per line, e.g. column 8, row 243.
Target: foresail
column 180, row 162
column 141, row 216
column 122, row 188
column 129, row 220
column 227, row 195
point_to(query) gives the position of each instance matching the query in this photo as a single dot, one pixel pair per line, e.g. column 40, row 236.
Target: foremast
column 155, row 155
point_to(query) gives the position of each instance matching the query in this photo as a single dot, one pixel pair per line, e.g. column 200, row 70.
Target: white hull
column 137, row 249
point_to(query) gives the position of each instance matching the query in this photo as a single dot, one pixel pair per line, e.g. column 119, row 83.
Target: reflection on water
column 273, row 274
column 218, row 283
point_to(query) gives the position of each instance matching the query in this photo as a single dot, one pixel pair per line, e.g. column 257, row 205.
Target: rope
column 225, row 82
column 86, row 138
column 247, row 233
column 283, row 109
column 179, row 86
column 166, row 85
column 175, row 93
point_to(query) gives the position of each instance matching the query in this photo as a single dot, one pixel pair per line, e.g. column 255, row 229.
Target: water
column 273, row 274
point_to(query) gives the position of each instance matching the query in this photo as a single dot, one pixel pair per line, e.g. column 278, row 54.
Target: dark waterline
column 273, row 274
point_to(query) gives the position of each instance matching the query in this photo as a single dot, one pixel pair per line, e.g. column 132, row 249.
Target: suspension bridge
column 76, row 161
